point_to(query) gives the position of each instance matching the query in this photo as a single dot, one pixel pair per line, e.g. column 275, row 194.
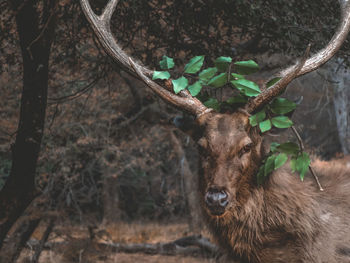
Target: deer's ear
column 188, row 125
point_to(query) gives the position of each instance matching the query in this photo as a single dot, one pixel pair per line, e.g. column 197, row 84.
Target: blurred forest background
column 111, row 167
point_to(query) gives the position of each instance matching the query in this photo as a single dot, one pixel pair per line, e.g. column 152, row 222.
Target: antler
column 101, row 27
column 305, row 66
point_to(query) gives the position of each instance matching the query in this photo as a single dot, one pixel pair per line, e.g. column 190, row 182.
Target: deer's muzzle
column 216, row 200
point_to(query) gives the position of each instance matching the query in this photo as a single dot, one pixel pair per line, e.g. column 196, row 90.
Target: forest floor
column 68, row 244
column 51, row 257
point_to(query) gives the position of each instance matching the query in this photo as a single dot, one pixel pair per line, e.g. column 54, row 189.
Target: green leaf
column 246, row 67
column 218, row 81
column 236, row 99
column 194, row 65
column 212, row 103
column 265, row 125
column 281, row 122
column 293, row 164
column 272, row 82
column 222, row 63
column 235, row 76
column 280, row 160
column 257, row 118
column 302, row 164
column 282, row 106
column 207, row 74
column 289, row 148
column 249, row 88
column 269, row 165
column 273, row 146
column 160, row 75
column 166, row 63
column 179, row 84
column 195, row 88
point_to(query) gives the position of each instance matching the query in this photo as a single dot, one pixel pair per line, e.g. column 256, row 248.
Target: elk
column 282, row 220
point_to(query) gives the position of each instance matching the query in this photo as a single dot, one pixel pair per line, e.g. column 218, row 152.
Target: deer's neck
column 281, row 214
column 291, row 204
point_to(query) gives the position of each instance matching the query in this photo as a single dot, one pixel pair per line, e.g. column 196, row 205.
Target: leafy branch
column 228, row 73
column 213, row 78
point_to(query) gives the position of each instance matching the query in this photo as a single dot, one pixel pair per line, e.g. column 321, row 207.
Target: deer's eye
column 245, row 149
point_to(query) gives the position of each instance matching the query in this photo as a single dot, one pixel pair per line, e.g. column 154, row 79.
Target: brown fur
column 283, row 220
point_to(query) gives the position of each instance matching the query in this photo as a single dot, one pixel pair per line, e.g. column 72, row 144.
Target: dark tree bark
column 35, row 26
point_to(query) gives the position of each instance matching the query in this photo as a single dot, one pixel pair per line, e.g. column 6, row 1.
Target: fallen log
column 195, row 245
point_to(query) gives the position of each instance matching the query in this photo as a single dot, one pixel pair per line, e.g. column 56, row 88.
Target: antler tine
column 307, row 66
column 108, row 11
column 101, row 26
column 268, row 94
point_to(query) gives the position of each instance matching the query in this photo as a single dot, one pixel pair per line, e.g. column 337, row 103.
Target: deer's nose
column 216, row 200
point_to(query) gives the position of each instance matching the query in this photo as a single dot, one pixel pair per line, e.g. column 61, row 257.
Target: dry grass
column 147, row 232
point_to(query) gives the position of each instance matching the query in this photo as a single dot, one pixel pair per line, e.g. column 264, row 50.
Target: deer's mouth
column 216, row 211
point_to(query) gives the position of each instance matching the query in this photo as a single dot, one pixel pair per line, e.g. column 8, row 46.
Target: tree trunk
column 190, row 187
column 35, row 41
column 340, row 79
column 111, row 210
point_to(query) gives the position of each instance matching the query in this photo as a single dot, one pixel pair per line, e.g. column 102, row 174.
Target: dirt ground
column 68, row 244
column 50, row 257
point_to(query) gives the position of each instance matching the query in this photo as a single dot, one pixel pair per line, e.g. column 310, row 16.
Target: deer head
column 231, row 154
column 230, row 148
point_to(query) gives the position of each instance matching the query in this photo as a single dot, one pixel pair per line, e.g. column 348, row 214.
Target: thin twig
column 128, row 121
column 301, row 145
column 55, row 113
column 75, row 94
column 296, row 133
column 316, row 178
